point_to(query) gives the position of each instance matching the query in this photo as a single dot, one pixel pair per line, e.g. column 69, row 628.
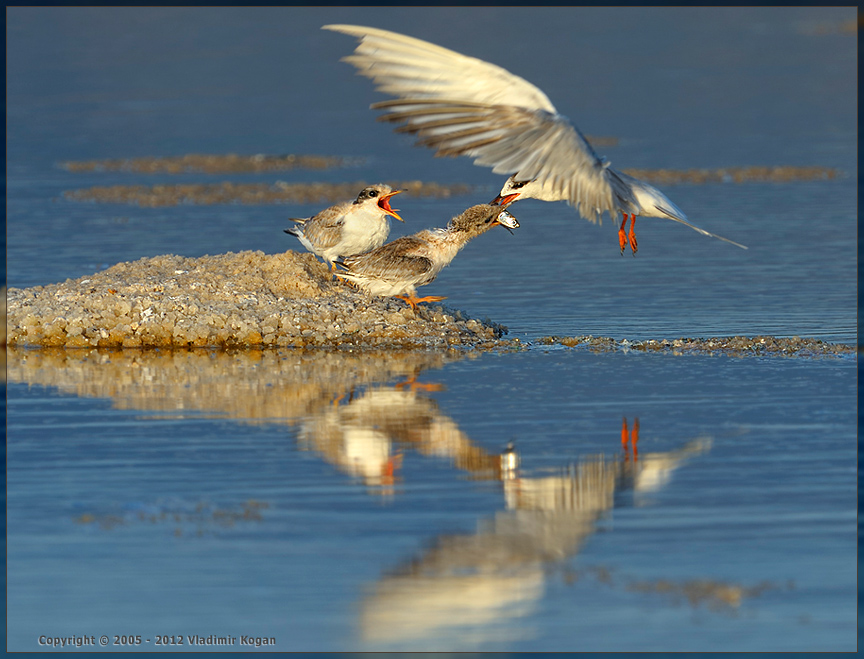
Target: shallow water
column 322, row 501
column 340, row 501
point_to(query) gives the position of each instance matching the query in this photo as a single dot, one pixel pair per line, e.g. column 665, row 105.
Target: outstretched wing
column 460, row 105
column 533, row 144
column 404, row 66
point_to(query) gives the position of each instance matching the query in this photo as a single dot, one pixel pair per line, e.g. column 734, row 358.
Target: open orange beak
column 504, row 201
column 384, row 204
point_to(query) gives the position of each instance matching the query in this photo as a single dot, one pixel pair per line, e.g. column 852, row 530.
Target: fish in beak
column 507, row 221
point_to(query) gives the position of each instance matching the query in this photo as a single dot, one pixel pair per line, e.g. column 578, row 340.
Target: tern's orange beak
column 384, row 204
column 504, row 201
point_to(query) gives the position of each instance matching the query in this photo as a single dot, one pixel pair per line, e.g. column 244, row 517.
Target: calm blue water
column 259, row 495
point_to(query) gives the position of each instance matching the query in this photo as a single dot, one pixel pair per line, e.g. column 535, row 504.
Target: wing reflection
column 485, row 581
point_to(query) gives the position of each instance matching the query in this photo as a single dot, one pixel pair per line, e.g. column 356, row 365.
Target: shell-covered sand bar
column 240, row 299
column 290, row 300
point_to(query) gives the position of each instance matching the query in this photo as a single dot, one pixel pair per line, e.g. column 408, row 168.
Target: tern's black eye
column 373, row 193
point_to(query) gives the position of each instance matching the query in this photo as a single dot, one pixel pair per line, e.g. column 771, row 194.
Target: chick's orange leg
column 413, row 301
column 429, row 298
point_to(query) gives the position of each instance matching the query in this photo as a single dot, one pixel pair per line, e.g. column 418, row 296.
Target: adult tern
column 460, row 105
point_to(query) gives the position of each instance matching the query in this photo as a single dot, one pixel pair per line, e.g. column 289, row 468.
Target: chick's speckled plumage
column 351, row 227
column 399, row 267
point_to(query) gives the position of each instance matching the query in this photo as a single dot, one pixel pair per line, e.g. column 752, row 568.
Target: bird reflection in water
column 364, row 435
column 477, row 585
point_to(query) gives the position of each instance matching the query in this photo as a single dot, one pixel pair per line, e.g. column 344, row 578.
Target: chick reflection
column 364, row 435
column 484, row 582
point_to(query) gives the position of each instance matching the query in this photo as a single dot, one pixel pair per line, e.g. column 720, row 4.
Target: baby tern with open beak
column 348, row 228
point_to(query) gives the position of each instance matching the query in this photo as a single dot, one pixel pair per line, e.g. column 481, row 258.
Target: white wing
column 460, row 105
column 403, row 66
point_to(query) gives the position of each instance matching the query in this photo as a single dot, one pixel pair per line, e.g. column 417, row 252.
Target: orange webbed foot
column 429, row 298
column 624, row 238
column 334, row 272
column 413, row 301
column 622, row 235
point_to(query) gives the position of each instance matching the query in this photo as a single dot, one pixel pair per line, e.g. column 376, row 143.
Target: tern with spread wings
column 460, row 105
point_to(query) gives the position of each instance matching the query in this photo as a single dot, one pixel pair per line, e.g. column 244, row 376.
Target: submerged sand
column 226, row 192
column 730, row 346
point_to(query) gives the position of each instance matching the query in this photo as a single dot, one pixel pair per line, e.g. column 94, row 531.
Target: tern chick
column 348, row 228
column 399, row 267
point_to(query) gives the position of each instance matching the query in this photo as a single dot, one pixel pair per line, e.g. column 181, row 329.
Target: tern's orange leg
column 622, row 235
column 632, row 437
column 632, row 235
column 388, row 471
column 625, row 434
column 414, row 300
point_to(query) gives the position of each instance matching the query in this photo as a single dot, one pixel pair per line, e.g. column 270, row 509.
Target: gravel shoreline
column 245, row 299
column 289, row 300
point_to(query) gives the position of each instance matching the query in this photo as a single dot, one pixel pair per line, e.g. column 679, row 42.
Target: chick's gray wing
column 325, row 229
column 396, row 261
